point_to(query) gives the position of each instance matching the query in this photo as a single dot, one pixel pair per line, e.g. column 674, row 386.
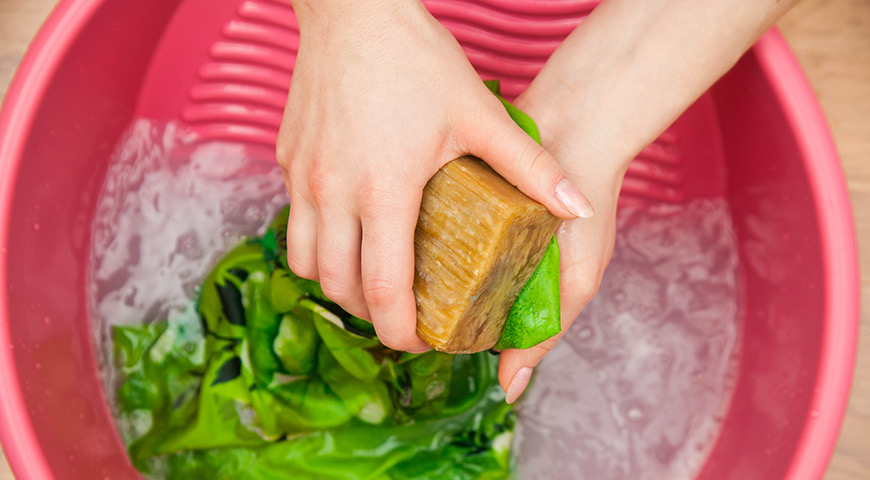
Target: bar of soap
column 478, row 240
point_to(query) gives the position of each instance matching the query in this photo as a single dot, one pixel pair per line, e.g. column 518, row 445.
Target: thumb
column 515, row 367
column 521, row 161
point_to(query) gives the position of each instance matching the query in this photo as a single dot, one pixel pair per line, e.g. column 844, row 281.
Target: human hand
column 382, row 97
column 585, row 244
column 625, row 74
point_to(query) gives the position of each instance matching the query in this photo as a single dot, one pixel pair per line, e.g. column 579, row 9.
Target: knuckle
column 335, row 286
column 391, row 343
column 291, row 187
column 294, row 173
column 396, row 341
column 298, row 261
column 584, row 286
column 381, row 199
column 357, row 309
column 284, row 154
column 301, row 266
column 379, row 292
column 319, row 186
column 372, row 206
column 537, row 160
column 324, row 183
column 539, row 351
column 296, row 187
column 288, row 148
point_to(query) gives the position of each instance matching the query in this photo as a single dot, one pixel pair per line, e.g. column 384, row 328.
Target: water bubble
column 188, row 244
column 585, row 333
column 254, row 214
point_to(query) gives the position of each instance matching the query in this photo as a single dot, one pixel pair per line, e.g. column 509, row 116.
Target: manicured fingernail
column 518, row 384
column 571, row 198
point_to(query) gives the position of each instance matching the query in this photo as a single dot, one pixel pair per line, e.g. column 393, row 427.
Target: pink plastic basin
column 757, row 137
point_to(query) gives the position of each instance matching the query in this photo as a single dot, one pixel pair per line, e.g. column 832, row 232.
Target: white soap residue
column 169, row 209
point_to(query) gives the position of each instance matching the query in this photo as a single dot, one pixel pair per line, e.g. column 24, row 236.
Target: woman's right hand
column 383, row 96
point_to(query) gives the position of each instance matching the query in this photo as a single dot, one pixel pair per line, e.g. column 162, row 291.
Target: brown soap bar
column 478, row 240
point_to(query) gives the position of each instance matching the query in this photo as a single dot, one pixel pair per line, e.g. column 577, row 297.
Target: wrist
column 323, row 16
column 577, row 132
column 632, row 68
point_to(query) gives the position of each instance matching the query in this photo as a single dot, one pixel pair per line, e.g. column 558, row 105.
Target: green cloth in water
column 265, row 378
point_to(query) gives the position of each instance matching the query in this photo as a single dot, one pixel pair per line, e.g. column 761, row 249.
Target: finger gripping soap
column 477, row 242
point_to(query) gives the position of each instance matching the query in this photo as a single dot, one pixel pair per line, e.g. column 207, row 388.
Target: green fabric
column 535, row 315
column 267, row 379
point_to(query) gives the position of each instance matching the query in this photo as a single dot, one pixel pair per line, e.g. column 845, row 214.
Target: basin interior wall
column 230, row 85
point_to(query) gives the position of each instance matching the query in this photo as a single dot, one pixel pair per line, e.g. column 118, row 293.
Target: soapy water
column 168, row 210
column 635, row 389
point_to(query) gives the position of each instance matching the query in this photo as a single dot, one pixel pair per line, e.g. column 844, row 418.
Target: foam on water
column 168, row 210
column 637, row 386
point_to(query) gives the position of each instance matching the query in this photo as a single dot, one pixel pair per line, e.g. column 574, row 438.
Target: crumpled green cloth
column 265, row 378
column 536, row 314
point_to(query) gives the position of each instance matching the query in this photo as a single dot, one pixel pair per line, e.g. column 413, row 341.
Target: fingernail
column 518, row 384
column 420, row 349
column 571, row 198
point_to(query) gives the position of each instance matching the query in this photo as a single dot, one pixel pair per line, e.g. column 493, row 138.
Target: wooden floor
column 832, row 41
